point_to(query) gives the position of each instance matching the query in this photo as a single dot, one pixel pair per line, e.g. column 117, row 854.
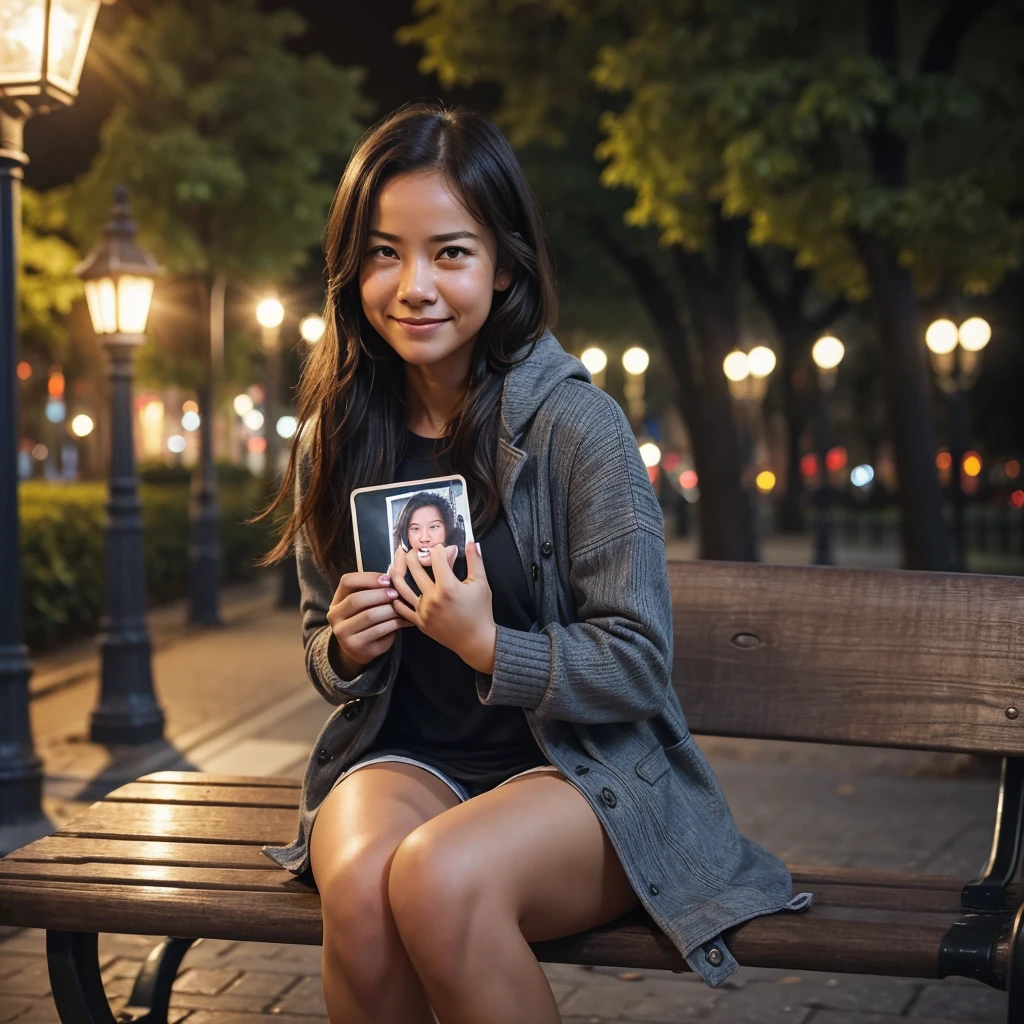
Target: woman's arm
column 615, row 663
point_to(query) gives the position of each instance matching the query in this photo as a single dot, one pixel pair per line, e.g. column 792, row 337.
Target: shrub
column 61, row 544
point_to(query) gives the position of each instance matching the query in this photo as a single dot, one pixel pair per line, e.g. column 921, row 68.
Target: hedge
column 61, row 543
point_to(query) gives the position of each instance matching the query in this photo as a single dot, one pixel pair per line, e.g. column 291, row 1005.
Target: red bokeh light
column 257, row 445
column 670, row 461
column 943, row 460
column 688, row 479
column 1017, row 499
column 1012, row 468
column 809, row 465
column 653, row 472
column 835, row 459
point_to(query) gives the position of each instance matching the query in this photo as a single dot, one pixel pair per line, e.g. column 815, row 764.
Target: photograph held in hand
column 414, row 516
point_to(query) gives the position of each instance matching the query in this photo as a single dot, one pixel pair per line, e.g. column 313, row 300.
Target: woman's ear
column 502, row 279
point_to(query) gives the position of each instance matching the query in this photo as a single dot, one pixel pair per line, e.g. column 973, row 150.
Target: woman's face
column 426, row 528
column 429, row 271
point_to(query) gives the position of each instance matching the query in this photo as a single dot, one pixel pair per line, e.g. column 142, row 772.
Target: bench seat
column 182, row 846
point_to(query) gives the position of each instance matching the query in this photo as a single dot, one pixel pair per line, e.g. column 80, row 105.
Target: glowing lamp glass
column 941, row 337
column 635, row 360
column 650, row 453
column 828, row 352
column 269, row 313
column 975, row 334
column 761, row 361
column 736, row 366
column 594, row 359
column 119, row 306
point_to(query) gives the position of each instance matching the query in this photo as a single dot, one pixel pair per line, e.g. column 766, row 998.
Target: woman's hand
column 450, row 611
column 363, row 620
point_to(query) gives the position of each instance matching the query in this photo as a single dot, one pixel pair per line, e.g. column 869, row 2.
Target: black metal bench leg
column 151, row 993
column 75, row 980
column 78, row 987
column 1015, row 971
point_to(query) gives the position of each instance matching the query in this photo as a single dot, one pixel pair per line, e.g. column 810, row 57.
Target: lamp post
column 118, row 277
column 270, row 315
column 748, row 374
column 956, row 358
column 595, row 360
column 635, row 361
column 827, row 353
column 41, row 58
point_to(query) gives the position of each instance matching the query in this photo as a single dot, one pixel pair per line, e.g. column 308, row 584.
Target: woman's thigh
column 533, row 847
column 367, row 815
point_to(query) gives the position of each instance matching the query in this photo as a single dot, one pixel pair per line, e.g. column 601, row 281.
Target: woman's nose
column 416, row 285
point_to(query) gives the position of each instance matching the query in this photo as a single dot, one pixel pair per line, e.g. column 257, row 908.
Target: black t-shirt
column 434, row 710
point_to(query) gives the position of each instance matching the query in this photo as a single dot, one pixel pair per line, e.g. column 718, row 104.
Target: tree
column 791, row 123
column 227, row 144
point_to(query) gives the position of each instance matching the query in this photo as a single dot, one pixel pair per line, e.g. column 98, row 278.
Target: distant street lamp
column 42, row 50
column 827, row 353
column 595, row 360
column 270, row 315
column 635, row 362
column 956, row 358
column 118, row 278
column 312, row 328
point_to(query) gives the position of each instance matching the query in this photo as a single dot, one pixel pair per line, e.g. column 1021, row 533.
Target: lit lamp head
column 118, row 276
column 635, row 360
column 942, row 338
column 269, row 315
column 736, row 367
column 827, row 353
column 42, row 49
column 312, row 328
column 974, row 334
column 761, row 362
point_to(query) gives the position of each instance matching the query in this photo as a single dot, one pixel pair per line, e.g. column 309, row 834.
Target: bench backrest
column 932, row 661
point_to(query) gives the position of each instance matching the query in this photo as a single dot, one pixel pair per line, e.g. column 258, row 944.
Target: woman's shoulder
column 579, row 411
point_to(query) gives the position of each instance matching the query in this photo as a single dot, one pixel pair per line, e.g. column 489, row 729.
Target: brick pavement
column 892, row 809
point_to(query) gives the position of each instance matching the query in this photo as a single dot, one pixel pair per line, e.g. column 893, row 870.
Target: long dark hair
column 352, row 394
column 424, row 499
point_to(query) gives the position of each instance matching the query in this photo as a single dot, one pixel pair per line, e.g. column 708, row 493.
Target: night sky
column 61, row 145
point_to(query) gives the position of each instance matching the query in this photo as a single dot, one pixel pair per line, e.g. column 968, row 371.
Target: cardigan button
column 352, row 710
column 322, row 756
column 581, row 769
column 714, row 956
column 653, row 889
column 546, row 549
column 535, row 569
column 608, row 797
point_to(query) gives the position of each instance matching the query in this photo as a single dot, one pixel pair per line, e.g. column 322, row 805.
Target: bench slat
column 820, row 940
column 161, row 821
column 226, row 796
column 64, row 849
column 211, row 779
column 929, row 661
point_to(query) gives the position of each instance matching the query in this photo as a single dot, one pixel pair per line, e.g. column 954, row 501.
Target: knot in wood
column 746, row 640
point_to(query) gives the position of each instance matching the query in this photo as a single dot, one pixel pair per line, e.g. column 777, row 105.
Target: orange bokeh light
column 257, row 444
column 1012, row 468
column 55, row 385
column 688, row 479
column 943, row 460
column 972, row 464
column 24, row 370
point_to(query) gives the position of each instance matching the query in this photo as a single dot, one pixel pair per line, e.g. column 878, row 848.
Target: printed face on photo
column 426, row 528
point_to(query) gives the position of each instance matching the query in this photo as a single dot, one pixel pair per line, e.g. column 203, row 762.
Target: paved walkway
column 236, row 700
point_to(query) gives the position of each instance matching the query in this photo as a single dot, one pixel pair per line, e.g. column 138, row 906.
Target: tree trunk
column 923, row 531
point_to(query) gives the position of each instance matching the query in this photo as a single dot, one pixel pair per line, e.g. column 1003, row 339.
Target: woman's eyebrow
column 449, row 236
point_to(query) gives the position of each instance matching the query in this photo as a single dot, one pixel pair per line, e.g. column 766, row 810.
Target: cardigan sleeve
column 614, row 664
column 316, row 591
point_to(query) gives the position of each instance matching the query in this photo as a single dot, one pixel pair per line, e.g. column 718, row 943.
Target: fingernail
column 392, row 593
column 383, row 580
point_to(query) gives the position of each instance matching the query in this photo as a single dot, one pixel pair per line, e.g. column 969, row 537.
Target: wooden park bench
column 923, row 661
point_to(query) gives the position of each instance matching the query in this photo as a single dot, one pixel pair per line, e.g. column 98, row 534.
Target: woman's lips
column 418, row 329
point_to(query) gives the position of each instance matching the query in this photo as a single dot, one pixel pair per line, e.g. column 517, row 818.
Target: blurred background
column 788, row 242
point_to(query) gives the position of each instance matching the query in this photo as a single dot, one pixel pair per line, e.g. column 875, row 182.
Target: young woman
column 509, row 762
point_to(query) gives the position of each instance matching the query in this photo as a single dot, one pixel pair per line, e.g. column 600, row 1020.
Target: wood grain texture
column 65, row 849
column 873, row 943
column 210, row 779
column 253, row 796
column 929, row 661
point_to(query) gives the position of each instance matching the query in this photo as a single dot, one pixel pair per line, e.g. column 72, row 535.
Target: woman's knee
column 435, row 888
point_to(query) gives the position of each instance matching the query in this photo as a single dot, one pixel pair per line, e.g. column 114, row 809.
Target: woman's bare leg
column 472, row 887
column 367, row 975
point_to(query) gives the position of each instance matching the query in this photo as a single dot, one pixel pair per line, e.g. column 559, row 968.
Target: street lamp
column 595, row 360
column 827, row 353
column 956, row 358
column 42, row 50
column 312, row 328
column 118, row 278
column 270, row 316
column 635, row 361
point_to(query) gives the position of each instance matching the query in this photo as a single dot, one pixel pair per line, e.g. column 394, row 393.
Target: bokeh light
column 176, row 444
column 82, row 425
column 975, row 333
column 862, row 475
column 242, row 404
column 761, row 361
column 828, row 352
column 594, row 359
column 1017, row 499
column 190, row 421
column 736, row 366
column 765, row 481
column 286, row 426
column 688, row 479
column 312, row 328
column 1012, row 468
column 943, row 460
column 972, row 464
column 269, row 312
column 253, row 419
column 635, row 360
column 24, row 370
column 650, row 453
column 941, row 337
column 190, row 406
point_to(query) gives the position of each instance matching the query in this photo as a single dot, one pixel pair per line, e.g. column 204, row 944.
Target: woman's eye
column 454, row 252
column 382, row 250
